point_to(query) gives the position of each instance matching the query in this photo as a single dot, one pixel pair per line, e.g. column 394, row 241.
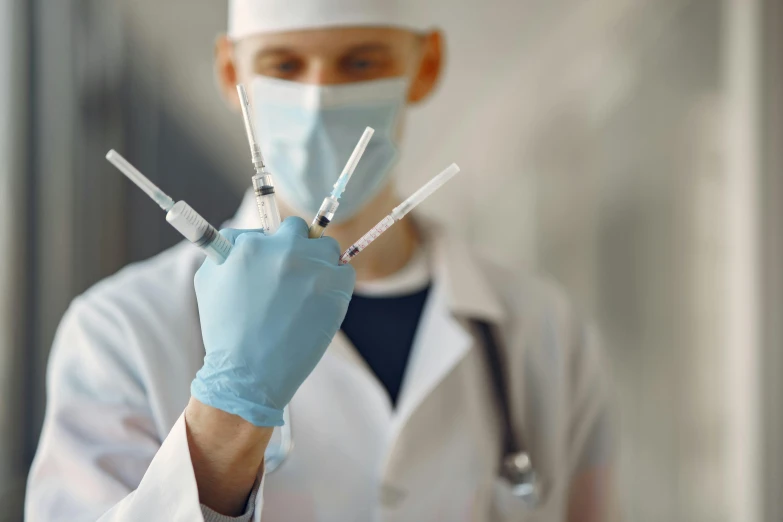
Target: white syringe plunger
column 132, row 173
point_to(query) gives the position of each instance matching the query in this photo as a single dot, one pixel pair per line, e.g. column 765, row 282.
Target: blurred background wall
column 629, row 148
column 13, row 166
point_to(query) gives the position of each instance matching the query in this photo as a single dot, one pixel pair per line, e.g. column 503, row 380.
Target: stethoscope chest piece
column 525, row 484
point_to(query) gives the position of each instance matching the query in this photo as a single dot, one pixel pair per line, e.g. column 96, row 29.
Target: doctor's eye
column 279, row 66
column 365, row 64
column 288, row 66
column 361, row 64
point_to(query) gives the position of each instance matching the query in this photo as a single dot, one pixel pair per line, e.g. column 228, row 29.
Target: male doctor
column 163, row 394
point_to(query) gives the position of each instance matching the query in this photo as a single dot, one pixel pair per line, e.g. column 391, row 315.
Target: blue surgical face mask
column 307, row 133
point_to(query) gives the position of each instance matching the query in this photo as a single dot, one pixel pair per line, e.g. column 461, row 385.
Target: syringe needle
column 255, row 148
column 399, row 212
column 180, row 215
column 353, row 162
column 332, row 201
column 152, row 190
column 263, row 186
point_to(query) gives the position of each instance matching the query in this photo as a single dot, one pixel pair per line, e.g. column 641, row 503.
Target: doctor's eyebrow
column 287, row 51
column 272, row 51
column 368, row 47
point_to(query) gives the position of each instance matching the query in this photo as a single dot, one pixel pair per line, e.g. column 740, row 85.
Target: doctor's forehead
column 329, row 42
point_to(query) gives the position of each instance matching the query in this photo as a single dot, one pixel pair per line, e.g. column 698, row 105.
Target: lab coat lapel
column 342, row 348
column 459, row 292
column 440, row 344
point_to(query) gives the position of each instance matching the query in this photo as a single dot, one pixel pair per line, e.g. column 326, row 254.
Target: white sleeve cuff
column 168, row 490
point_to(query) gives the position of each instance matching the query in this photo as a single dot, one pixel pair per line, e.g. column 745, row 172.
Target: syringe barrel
column 328, row 208
column 268, row 210
column 198, row 231
column 367, row 239
column 323, row 218
column 263, row 184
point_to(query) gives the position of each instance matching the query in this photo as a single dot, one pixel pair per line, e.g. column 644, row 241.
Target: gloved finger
column 344, row 280
column 203, row 270
column 233, row 233
column 331, row 247
column 294, row 226
column 248, row 236
column 347, row 274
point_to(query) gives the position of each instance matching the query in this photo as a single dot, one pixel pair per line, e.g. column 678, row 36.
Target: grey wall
column 13, row 236
column 772, row 259
column 609, row 161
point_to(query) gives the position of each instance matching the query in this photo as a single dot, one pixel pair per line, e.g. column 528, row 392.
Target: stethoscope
column 518, row 471
column 517, row 468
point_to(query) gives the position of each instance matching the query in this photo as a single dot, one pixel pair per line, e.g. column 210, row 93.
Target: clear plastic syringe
column 332, row 201
column 262, row 179
column 187, row 221
column 399, row 212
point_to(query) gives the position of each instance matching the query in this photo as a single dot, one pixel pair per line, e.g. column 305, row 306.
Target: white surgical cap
column 249, row 17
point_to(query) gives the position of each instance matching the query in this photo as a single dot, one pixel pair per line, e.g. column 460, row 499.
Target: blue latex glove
column 267, row 316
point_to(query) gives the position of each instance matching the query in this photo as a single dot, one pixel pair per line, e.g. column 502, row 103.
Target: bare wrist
column 227, row 453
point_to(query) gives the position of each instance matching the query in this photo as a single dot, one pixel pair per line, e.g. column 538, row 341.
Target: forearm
column 227, row 453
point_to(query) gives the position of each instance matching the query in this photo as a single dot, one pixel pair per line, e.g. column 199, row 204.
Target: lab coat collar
column 460, row 293
column 441, row 342
column 468, row 292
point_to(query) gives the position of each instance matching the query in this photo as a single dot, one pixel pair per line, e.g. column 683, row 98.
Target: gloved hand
column 267, row 316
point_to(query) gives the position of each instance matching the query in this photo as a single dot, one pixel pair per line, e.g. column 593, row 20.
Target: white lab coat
column 114, row 447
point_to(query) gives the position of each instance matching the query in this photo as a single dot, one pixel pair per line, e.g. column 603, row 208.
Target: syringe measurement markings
column 400, row 211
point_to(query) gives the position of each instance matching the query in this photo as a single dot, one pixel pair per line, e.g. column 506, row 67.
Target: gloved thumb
column 233, row 233
column 294, row 226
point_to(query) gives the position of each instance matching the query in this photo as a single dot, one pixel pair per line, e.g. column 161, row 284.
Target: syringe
column 399, row 212
column 332, row 201
column 187, row 221
column 262, row 179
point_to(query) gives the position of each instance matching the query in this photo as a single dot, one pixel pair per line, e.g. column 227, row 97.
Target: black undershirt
column 382, row 329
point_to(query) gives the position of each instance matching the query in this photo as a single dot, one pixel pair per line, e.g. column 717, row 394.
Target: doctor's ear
column 226, row 72
column 430, row 66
